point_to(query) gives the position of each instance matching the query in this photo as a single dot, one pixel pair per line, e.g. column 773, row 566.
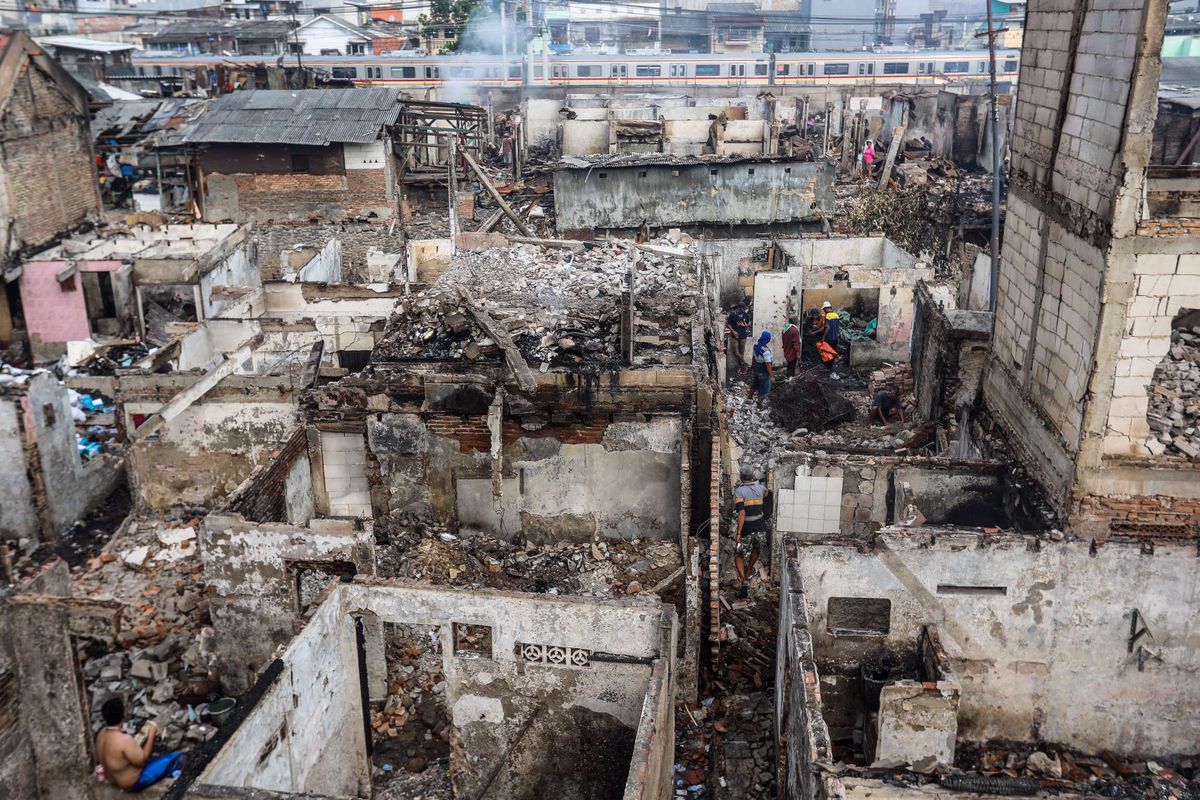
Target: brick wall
column 262, row 497
column 1142, row 517
column 264, row 197
column 358, row 240
column 472, row 434
column 47, row 167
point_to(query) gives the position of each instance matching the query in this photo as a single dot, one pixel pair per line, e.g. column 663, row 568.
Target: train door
column 737, row 71
column 619, row 72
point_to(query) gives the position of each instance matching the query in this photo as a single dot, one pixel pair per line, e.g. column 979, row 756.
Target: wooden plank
column 491, row 190
column 184, row 399
column 512, row 356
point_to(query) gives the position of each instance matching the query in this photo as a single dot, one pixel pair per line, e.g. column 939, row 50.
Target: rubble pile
column 920, row 218
column 160, row 661
column 1174, row 412
column 809, row 400
column 759, row 435
column 593, row 569
column 1058, row 768
column 167, row 684
column 412, row 729
column 561, row 306
column 898, row 375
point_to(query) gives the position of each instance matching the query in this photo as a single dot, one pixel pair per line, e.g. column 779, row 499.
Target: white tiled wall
column 814, row 506
column 345, row 459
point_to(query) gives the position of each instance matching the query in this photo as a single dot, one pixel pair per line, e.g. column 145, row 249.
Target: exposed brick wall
column 46, row 162
column 263, row 197
column 1155, row 517
column 357, row 240
column 262, row 497
column 472, row 434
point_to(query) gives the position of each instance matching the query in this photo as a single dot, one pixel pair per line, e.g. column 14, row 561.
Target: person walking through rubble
column 868, row 158
column 762, row 373
column 791, row 345
column 737, row 333
column 814, row 331
column 749, row 503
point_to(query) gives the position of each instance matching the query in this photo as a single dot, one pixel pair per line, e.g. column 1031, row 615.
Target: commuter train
column 576, row 70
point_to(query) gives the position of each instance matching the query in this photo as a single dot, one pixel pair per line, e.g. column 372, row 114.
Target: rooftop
column 83, row 43
column 309, row 117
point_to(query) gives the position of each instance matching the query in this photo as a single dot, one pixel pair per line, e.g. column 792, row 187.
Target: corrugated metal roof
column 307, row 116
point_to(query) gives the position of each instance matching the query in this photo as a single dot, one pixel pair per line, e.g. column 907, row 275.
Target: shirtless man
column 126, row 763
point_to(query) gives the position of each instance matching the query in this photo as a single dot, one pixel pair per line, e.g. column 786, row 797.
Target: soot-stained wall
column 1037, row 631
column 569, row 482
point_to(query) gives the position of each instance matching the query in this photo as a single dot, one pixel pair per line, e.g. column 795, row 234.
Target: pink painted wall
column 53, row 313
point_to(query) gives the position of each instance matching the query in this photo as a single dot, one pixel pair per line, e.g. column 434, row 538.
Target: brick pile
column 898, row 375
column 1174, row 414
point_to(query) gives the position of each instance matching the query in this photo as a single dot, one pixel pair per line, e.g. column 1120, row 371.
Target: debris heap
column 1174, row 413
column 809, row 401
column 560, row 305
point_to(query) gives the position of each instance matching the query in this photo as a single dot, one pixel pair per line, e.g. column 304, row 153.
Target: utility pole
column 504, row 42
column 996, row 162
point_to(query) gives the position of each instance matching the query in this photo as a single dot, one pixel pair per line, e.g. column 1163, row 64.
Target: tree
column 456, row 13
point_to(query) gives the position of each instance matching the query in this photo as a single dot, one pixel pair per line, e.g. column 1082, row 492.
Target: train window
column 514, row 70
column 780, row 69
column 871, row 68
column 895, row 67
column 404, row 72
column 1010, row 65
column 983, row 67
column 810, row 68
column 862, row 68
column 557, row 71
column 957, row 66
column 708, row 70
column 589, row 71
column 837, row 69
column 649, row 71
column 345, row 72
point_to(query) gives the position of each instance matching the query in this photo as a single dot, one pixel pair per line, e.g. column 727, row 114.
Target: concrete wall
column 663, row 195
column 1072, row 264
column 1038, row 635
column 250, row 569
column 212, row 446
column 18, row 770
column 734, row 263
column 306, row 732
column 59, row 465
column 18, row 515
column 362, row 245
column 524, row 726
column 567, row 482
column 541, row 725
column 801, row 736
column 815, row 270
column 234, row 268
